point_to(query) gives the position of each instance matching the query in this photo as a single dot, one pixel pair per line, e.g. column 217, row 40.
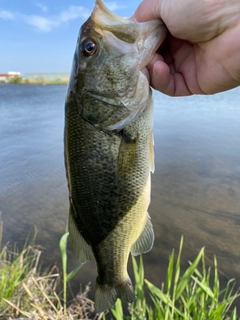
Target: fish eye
column 88, row 47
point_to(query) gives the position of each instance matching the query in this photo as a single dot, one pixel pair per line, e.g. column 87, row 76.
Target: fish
column 108, row 147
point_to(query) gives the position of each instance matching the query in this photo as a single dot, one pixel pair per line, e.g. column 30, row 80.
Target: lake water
column 195, row 187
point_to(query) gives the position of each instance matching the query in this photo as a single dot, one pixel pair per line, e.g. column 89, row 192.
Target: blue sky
column 40, row 36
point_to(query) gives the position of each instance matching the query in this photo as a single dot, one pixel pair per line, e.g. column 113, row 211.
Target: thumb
column 148, row 10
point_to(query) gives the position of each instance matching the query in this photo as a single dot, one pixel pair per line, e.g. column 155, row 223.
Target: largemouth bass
column 109, row 147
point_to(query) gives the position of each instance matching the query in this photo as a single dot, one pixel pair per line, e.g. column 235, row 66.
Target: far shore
column 42, row 81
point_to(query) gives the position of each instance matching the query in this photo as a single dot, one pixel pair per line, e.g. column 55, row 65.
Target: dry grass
column 37, row 297
column 46, row 304
column 28, row 292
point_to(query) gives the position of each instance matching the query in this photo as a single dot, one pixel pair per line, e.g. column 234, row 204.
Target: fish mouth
column 152, row 35
column 148, row 36
column 124, row 29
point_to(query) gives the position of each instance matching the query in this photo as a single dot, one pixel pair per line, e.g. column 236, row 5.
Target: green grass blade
column 187, row 275
column 169, row 277
column 205, row 288
column 73, row 272
column 63, row 249
column 117, row 310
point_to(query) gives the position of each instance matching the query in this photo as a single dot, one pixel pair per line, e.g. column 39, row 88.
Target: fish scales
column 109, row 148
column 108, row 174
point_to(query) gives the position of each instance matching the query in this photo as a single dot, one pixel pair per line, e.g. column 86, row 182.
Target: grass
column 189, row 296
column 27, row 291
column 193, row 295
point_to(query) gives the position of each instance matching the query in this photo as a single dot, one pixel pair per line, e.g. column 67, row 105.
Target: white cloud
column 74, row 12
column 7, row 15
column 47, row 23
column 42, row 7
column 41, row 23
column 114, row 6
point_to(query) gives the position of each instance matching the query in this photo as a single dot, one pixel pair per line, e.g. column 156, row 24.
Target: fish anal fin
column 145, row 241
column 151, row 153
column 81, row 250
column 106, row 295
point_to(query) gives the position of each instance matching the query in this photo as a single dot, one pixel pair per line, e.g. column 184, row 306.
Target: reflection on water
column 195, row 188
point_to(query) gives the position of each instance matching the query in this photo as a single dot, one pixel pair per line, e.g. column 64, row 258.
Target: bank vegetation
column 28, row 291
column 40, row 80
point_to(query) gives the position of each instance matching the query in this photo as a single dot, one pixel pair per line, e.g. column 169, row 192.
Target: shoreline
column 37, row 83
column 38, row 80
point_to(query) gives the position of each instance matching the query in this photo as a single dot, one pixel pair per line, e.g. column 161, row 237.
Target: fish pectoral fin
column 106, row 295
column 145, row 241
column 81, row 250
column 132, row 116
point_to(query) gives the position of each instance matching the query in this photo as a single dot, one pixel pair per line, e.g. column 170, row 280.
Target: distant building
column 6, row 77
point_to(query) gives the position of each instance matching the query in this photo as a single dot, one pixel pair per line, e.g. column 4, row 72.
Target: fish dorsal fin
column 145, row 241
column 151, row 153
column 81, row 250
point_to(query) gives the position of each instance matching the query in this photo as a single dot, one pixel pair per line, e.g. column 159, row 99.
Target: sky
column 40, row 36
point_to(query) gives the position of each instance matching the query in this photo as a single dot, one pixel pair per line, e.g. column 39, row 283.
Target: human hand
column 202, row 52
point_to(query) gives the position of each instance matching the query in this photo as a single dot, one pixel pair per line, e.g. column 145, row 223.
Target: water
column 195, row 188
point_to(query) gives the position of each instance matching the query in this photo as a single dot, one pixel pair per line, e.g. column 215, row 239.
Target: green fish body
column 109, row 147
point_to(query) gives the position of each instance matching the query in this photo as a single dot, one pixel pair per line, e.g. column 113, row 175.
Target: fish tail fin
column 125, row 290
column 106, row 295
